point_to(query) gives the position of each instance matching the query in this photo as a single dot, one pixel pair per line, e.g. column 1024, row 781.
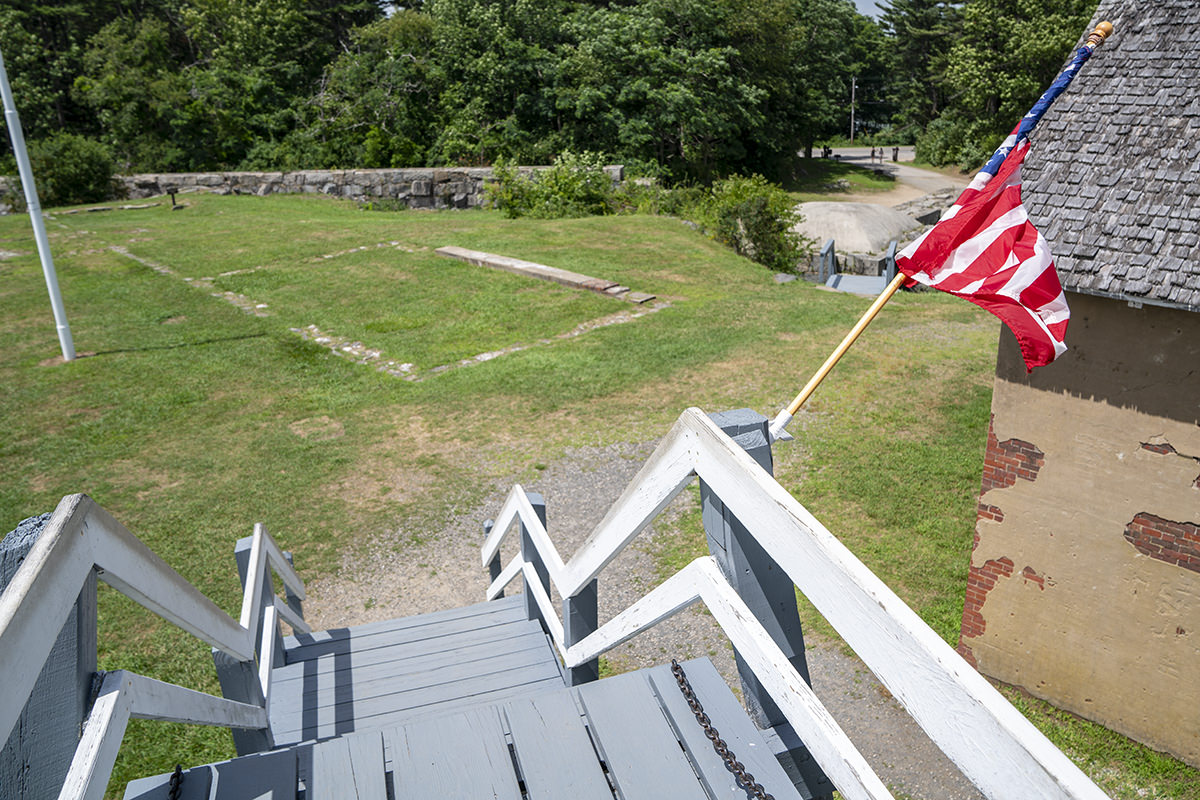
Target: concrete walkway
column 927, row 181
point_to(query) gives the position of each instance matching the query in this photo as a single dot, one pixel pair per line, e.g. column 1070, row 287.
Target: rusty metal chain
column 744, row 779
column 174, row 784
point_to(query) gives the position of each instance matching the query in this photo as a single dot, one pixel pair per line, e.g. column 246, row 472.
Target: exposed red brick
column 990, row 512
column 1173, row 542
column 968, row 654
column 980, row 581
column 1031, row 575
column 1005, row 462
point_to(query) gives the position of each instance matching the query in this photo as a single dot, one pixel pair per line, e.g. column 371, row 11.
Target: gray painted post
column 494, row 564
column 580, row 618
column 763, row 586
column 239, row 679
column 529, row 553
column 38, row 753
column 889, row 262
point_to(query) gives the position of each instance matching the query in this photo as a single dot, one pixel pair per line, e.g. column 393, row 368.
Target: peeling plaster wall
column 1085, row 575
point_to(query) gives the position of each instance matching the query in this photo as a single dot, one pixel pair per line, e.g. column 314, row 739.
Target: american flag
column 985, row 249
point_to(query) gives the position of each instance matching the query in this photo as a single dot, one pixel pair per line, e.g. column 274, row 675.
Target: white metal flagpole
column 35, row 213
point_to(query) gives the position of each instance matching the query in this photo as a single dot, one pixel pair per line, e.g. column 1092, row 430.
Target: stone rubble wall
column 454, row 187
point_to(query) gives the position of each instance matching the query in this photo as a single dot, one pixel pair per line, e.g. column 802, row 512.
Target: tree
column 1007, row 54
column 922, row 32
column 657, row 84
column 377, row 105
column 499, row 62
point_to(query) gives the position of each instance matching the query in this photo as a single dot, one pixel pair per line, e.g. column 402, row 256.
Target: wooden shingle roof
column 1113, row 177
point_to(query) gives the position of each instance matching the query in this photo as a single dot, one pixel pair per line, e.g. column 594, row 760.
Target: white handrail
column 702, row 580
column 264, row 555
column 1000, row 751
column 79, row 537
column 82, row 536
column 124, row 695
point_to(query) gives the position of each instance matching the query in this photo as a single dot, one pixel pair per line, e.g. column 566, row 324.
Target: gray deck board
column 348, row 768
column 457, row 756
column 393, row 632
column 501, row 637
column 644, row 758
column 552, row 746
column 336, row 718
column 728, row 717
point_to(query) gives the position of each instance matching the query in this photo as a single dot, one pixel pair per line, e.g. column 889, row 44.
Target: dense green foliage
column 1003, row 55
column 683, row 90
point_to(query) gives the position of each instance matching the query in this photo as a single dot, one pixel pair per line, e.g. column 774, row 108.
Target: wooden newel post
column 766, row 590
column 239, row 679
column 494, row 564
column 580, row 618
column 529, row 554
column 38, row 753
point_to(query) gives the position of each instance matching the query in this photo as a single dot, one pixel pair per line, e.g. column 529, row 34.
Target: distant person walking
column 895, row 154
column 872, row 155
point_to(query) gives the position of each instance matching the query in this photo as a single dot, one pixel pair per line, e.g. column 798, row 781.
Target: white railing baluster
column 266, row 657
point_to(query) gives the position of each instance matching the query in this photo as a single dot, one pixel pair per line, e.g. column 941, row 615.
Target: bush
column 70, row 169
column 756, row 217
column 954, row 139
column 575, row 186
column 67, row 169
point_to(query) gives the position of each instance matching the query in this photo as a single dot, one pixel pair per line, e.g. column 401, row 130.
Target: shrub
column 575, row 186
column 755, row 217
column 70, row 169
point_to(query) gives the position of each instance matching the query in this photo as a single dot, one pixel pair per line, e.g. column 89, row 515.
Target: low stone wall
column 454, row 187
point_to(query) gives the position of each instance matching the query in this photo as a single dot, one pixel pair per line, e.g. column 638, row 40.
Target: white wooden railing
column 996, row 748
column 81, row 537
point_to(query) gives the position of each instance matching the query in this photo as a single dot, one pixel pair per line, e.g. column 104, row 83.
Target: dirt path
column 399, row 576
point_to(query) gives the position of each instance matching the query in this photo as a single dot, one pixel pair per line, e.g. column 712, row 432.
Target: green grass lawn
column 195, row 419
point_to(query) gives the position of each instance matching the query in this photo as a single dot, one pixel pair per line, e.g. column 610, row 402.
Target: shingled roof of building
column 1113, row 177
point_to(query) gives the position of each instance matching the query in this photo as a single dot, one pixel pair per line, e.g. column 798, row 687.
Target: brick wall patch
column 1175, row 543
column 1006, row 461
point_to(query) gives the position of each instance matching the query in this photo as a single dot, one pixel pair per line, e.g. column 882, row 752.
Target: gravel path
column 398, row 577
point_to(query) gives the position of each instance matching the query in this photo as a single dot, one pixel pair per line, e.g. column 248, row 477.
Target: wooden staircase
column 472, row 703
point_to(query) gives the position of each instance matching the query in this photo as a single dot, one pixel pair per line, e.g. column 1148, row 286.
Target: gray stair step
column 381, row 675
column 627, row 737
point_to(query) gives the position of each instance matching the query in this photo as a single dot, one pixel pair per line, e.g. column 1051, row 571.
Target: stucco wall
column 1085, row 575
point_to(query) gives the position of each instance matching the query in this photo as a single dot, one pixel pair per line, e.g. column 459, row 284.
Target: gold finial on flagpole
column 1102, row 32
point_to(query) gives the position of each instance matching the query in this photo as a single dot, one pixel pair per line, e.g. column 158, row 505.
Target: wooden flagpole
column 1094, row 40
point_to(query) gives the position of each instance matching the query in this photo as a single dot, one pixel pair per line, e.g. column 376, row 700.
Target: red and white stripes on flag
column 985, row 249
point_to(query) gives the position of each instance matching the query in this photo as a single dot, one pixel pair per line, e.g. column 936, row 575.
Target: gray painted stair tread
column 322, row 722
column 643, row 755
column 730, row 720
column 865, row 285
column 378, row 634
column 553, row 749
column 348, row 768
column 263, row 776
column 361, row 698
column 415, row 657
column 457, row 756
